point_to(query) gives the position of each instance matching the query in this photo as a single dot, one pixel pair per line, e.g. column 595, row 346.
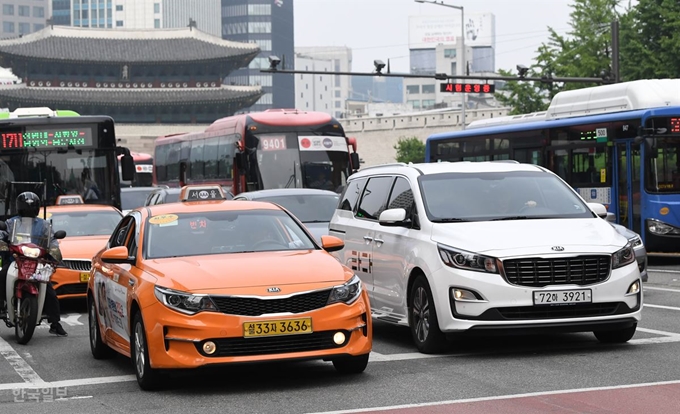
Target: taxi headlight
column 184, row 302
column 623, row 257
column 347, row 292
column 31, row 252
column 462, row 259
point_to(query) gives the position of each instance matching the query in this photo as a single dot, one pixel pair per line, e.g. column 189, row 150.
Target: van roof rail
column 394, row 164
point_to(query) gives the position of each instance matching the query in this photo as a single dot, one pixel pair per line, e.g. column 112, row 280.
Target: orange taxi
column 210, row 281
column 87, row 228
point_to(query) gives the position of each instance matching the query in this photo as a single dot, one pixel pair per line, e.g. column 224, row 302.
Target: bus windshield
column 292, row 160
column 31, row 154
column 663, row 172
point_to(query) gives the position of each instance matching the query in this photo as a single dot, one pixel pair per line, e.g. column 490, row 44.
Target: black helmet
column 28, row 204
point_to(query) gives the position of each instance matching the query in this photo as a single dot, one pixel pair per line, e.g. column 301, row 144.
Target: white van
column 483, row 247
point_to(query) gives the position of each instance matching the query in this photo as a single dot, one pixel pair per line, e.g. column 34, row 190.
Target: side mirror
column 117, row 254
column 3, row 225
column 240, row 160
column 354, row 159
column 127, row 167
column 392, row 217
column 611, row 217
column 598, row 209
column 331, row 243
column 59, row 234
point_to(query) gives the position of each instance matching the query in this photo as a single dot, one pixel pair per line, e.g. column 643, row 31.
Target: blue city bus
column 618, row 145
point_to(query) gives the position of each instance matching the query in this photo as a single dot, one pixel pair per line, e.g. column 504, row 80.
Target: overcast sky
column 378, row 29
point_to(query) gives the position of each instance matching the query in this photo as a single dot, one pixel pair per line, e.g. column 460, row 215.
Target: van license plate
column 563, row 297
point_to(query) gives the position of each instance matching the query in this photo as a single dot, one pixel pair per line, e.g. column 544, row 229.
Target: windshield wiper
column 450, row 220
column 317, row 221
column 518, row 218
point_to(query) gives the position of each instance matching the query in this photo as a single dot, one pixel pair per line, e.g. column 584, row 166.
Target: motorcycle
column 27, row 275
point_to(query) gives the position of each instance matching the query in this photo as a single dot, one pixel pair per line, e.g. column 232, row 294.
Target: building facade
column 136, row 76
column 205, row 13
column 342, row 62
column 314, row 92
column 21, row 17
column 269, row 24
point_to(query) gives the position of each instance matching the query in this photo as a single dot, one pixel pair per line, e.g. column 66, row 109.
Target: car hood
column 237, row 272
column 531, row 237
column 81, row 247
column 317, row 230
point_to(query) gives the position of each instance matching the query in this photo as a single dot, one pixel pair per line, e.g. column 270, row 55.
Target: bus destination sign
column 76, row 137
column 467, row 88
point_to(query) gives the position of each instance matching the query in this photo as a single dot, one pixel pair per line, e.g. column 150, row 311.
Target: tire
column 149, row 379
column 99, row 349
column 351, row 365
column 616, row 336
column 422, row 319
column 27, row 319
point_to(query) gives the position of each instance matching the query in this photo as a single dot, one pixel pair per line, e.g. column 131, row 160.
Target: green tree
column 650, row 40
column 585, row 51
column 410, row 150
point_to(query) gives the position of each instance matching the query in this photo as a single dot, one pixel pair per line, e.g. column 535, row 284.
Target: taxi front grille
column 580, row 270
column 305, row 302
column 81, row 265
column 235, row 347
column 72, row 289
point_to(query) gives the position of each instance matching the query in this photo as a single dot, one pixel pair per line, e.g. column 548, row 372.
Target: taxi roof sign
column 69, row 200
column 202, row 193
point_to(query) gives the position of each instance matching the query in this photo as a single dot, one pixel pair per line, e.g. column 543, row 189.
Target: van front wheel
column 422, row 319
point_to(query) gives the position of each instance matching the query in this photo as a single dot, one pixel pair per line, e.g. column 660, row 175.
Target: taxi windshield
column 219, row 232
column 484, row 196
column 85, row 223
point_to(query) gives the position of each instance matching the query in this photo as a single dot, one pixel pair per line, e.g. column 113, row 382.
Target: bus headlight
column 660, row 228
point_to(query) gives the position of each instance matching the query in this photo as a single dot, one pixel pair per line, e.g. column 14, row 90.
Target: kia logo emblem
column 558, row 248
column 273, row 290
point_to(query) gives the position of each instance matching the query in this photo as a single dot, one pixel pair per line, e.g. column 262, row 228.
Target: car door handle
column 368, row 238
column 131, row 282
column 379, row 241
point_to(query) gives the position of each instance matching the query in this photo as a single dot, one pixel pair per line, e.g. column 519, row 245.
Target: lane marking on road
column 663, row 270
column 647, row 305
column 80, row 397
column 657, row 332
column 19, row 365
column 499, row 397
column 69, row 383
column 661, row 289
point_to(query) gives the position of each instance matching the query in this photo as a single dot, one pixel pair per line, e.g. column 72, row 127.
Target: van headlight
column 184, row 302
column 462, row 259
column 623, row 257
column 347, row 292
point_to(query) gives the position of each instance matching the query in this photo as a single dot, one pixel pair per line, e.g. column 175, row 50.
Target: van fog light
column 463, row 295
column 634, row 288
column 339, row 338
column 209, row 347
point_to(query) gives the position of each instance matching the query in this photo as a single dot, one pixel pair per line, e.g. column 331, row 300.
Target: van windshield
column 483, row 196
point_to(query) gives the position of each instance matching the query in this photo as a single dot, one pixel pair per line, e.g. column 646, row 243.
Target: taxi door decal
column 100, row 299
column 117, row 299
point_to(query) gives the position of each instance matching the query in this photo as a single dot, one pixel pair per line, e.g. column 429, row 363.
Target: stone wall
column 375, row 137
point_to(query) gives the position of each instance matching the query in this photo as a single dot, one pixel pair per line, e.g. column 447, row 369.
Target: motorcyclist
column 28, row 205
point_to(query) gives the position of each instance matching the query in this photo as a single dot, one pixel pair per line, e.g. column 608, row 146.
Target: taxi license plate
column 279, row 327
column 563, row 297
column 84, row 276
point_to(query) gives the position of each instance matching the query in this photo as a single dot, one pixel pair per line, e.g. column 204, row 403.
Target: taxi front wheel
column 147, row 377
column 99, row 349
column 351, row 365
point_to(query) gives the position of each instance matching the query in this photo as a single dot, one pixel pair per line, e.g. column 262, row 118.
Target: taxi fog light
column 209, row 347
column 346, row 293
column 184, row 302
column 339, row 338
column 634, row 288
column 463, row 295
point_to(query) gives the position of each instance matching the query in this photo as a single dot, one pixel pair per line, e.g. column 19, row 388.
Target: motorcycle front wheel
column 27, row 319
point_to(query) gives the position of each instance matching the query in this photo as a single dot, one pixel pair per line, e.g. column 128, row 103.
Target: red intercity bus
column 143, row 171
column 277, row 148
